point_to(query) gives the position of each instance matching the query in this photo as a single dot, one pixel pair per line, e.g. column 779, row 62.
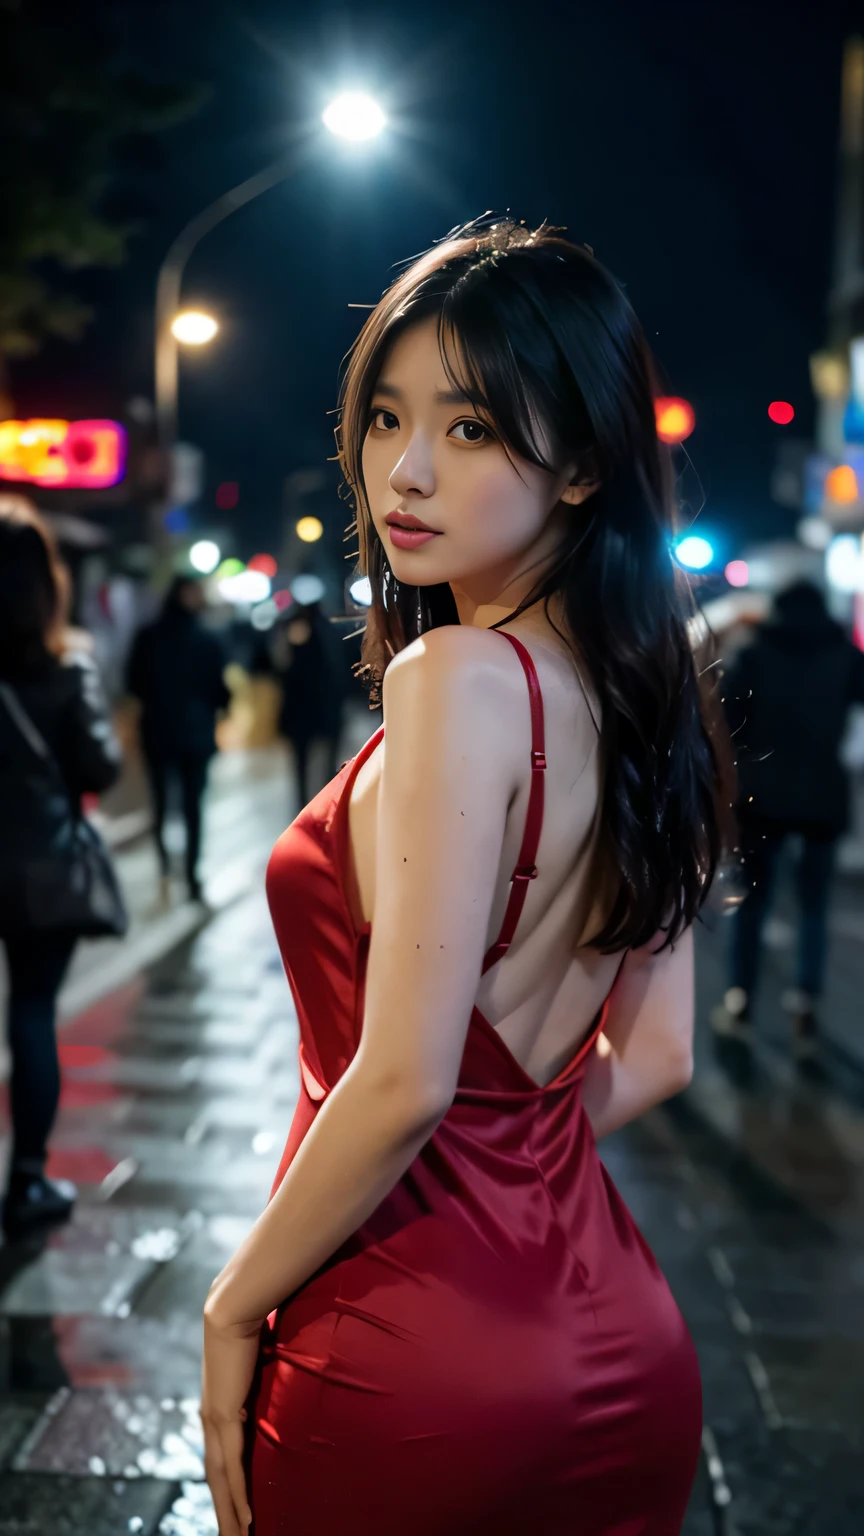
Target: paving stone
column 107, row 1433
column 728, row 1395
column 817, row 1383
column 789, row 1483
column 17, row 1419
column 179, row 1290
column 157, row 1357
column 191, row 1514
column 31, row 1505
column 96, row 1263
column 803, row 1312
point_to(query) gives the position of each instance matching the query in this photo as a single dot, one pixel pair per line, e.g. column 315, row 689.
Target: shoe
column 33, row 1200
column 731, row 1019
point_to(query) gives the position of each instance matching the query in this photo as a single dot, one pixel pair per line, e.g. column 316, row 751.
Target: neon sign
column 79, row 455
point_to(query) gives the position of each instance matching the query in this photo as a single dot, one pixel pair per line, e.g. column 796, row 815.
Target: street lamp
column 350, row 116
column 354, row 116
column 193, row 328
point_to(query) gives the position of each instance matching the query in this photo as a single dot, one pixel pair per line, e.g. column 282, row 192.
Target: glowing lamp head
column 194, row 328
column 694, row 552
column 781, row 412
column 675, row 418
column 354, row 116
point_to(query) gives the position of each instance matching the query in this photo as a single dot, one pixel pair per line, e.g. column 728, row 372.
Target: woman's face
column 428, row 456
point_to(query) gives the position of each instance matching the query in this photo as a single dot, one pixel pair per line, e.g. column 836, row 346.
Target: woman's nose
column 414, row 474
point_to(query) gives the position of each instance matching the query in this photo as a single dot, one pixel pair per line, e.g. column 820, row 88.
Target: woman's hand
column 230, row 1356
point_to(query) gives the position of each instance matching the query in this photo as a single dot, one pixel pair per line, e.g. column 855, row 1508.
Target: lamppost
column 352, row 116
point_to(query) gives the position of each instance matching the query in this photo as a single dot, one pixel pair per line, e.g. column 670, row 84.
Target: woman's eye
column 384, row 421
column 470, row 431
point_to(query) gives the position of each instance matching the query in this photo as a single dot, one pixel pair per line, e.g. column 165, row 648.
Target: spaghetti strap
column 526, row 869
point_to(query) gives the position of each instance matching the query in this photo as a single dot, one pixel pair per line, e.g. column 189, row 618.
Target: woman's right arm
column 90, row 753
column 645, row 1053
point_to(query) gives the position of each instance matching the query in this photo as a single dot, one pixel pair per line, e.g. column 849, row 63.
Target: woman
column 485, row 921
column 45, row 674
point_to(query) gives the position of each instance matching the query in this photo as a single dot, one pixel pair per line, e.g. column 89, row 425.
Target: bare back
column 545, row 992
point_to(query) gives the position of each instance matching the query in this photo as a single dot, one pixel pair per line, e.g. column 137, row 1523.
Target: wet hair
column 34, row 588
column 534, row 330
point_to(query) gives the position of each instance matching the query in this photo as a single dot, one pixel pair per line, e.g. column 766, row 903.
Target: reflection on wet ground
column 178, row 1094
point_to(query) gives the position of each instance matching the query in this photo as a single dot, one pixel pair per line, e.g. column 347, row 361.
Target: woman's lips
column 409, row 538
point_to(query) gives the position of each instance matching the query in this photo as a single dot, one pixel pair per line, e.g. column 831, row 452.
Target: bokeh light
column 309, row 529
column 781, row 412
column 675, row 418
column 841, row 485
column 361, row 591
column 230, row 567
column 694, row 552
column 815, row 532
column 204, row 556
column 194, row 328
column 354, row 116
column 737, row 573
column 844, row 563
column 245, row 587
column 307, row 589
column 264, row 563
column 264, row 616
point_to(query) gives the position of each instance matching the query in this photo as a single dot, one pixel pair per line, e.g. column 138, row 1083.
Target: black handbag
column 68, row 884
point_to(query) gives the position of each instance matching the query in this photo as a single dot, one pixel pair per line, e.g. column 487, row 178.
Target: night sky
column 692, row 145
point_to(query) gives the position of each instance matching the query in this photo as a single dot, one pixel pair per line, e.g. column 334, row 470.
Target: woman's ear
column 577, row 492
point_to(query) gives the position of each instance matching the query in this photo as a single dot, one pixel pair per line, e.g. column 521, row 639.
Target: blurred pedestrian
column 787, row 699
column 56, row 744
column 176, row 671
column 302, row 656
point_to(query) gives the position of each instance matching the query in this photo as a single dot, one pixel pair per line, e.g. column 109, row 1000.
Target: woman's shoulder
column 456, row 653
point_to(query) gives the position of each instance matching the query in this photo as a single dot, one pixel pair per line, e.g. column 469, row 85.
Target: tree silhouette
column 73, row 118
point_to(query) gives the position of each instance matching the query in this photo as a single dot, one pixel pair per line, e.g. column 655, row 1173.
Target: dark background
column 693, row 146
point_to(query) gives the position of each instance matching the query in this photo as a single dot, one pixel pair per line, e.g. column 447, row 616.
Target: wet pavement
column 179, row 1086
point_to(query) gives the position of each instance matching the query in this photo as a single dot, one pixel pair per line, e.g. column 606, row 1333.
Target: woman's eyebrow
column 442, row 396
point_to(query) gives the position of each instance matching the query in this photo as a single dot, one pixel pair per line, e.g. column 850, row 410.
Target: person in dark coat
column 787, row 699
column 47, row 676
column 176, row 670
column 302, row 654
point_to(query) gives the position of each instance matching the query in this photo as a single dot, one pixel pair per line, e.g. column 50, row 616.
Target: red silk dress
column 495, row 1351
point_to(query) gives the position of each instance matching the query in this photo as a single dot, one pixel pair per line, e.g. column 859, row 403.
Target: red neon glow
column 78, row 455
column 737, row 573
column 263, row 563
column 781, row 412
column 227, row 495
column 675, row 418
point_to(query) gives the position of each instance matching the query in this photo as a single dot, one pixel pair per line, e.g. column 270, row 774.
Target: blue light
column 693, row 552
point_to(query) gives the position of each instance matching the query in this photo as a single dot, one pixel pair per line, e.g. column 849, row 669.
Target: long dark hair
column 544, row 331
column 34, row 588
